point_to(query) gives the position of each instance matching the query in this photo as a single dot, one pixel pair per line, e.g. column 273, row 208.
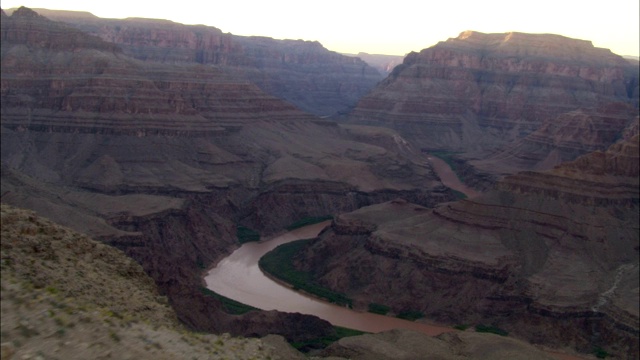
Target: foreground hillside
column 66, row 296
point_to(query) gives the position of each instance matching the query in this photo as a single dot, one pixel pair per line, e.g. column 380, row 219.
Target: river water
column 449, row 178
column 238, row 277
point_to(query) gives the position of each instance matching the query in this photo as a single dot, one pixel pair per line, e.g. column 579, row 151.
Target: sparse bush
column 410, row 315
column 278, row 263
column 491, row 329
column 114, row 336
column 309, row 221
column 600, row 353
column 378, row 309
column 245, row 234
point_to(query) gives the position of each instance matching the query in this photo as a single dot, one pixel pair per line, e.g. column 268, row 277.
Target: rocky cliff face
column 482, row 91
column 303, row 73
column 551, row 256
column 164, row 160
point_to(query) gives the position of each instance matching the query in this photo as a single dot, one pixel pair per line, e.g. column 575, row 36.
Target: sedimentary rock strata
column 164, row 161
column 303, row 73
column 545, row 98
column 551, row 256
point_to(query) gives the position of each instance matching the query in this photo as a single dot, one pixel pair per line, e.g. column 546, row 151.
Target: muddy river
column 238, row 277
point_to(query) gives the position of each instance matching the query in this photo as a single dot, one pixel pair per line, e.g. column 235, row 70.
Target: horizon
column 369, row 27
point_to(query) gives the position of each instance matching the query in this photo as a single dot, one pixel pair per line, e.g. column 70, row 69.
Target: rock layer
column 551, row 256
column 483, row 91
column 303, row 73
column 164, row 161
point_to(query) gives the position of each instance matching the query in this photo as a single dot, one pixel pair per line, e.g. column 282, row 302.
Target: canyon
column 304, row 73
column 507, row 102
column 550, row 256
column 163, row 140
column 165, row 162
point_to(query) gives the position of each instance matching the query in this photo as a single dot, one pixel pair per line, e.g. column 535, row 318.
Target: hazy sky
column 384, row 27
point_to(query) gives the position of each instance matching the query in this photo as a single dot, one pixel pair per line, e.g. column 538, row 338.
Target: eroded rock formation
column 303, row 73
column 164, row 161
column 551, row 256
column 526, row 101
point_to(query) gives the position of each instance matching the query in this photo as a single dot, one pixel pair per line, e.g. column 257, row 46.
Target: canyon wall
column 164, row 160
column 550, row 256
column 303, row 73
column 517, row 101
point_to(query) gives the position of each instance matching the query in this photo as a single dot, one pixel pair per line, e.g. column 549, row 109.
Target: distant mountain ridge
column 303, row 73
column 384, row 63
column 478, row 93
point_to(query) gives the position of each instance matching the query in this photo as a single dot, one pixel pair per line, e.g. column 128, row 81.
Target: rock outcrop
column 164, row 161
column 409, row 345
column 550, row 256
column 303, row 73
column 65, row 295
column 538, row 96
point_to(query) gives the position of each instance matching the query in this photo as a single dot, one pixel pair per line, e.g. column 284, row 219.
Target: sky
column 383, row 27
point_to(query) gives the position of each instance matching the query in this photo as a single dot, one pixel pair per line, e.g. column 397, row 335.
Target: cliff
column 164, row 161
column 499, row 94
column 550, row 256
column 303, row 73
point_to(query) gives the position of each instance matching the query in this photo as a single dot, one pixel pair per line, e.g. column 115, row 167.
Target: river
column 239, row 277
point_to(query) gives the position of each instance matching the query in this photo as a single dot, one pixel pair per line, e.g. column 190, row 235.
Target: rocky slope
column 530, row 101
column 164, row 161
column 408, row 345
column 549, row 256
column 303, row 73
column 67, row 296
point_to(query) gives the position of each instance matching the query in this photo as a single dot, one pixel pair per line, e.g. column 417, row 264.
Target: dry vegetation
column 66, row 296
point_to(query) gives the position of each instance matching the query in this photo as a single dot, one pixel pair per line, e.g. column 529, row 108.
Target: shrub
column 410, row 315
column 600, row 353
column 378, row 309
column 491, row 329
column 278, row 263
column 309, row 221
column 230, row 306
column 245, row 234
